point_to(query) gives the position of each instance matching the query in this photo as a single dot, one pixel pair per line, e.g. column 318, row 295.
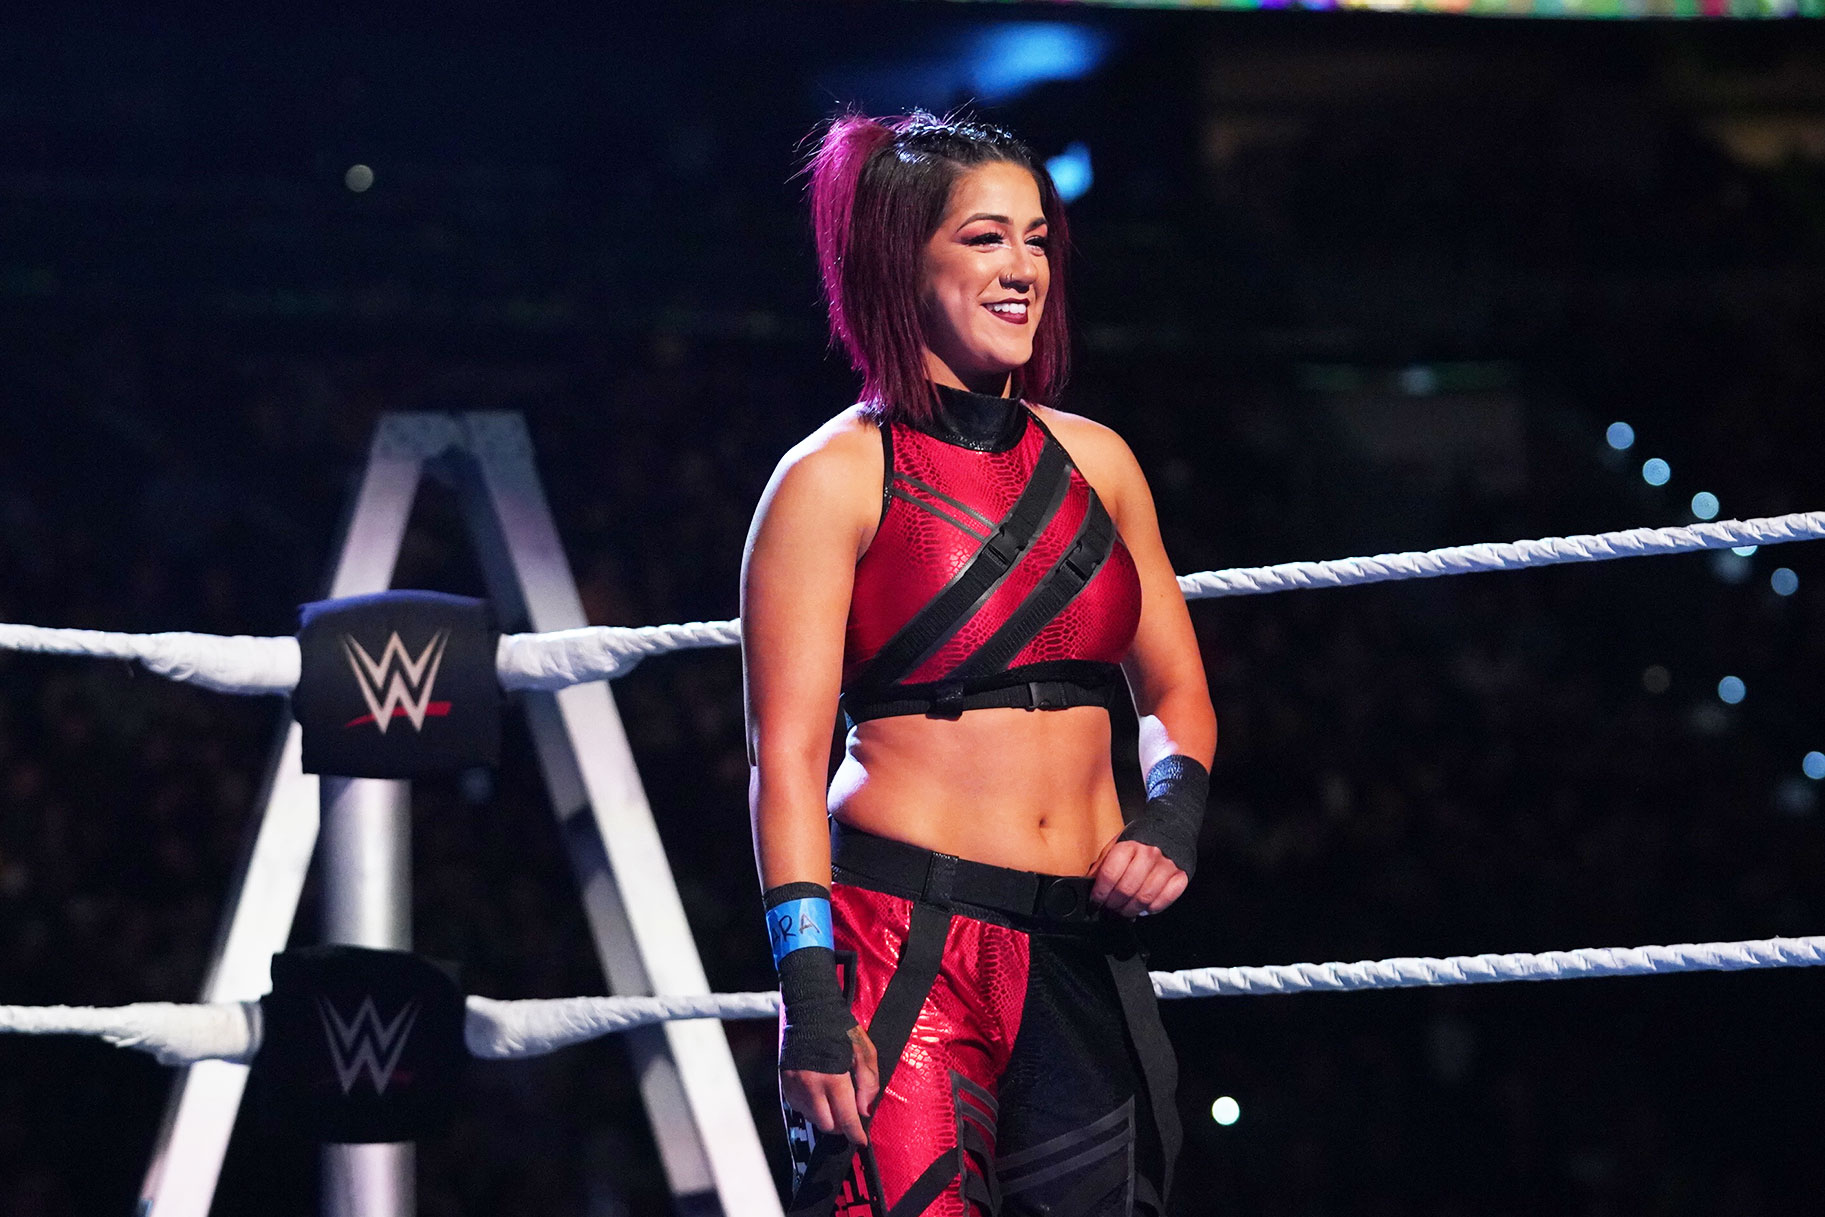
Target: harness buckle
column 947, row 702
column 1002, row 548
column 1071, row 560
column 1045, row 695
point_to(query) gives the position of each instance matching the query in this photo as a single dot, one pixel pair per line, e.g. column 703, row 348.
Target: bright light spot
column 1730, row 567
column 1784, row 582
column 1008, row 59
column 358, row 178
column 1813, row 766
column 1418, row 381
column 1743, row 551
column 1226, row 1111
column 1704, row 505
column 1731, row 690
column 1620, row 436
column 1070, row 171
column 1656, row 679
column 1656, row 472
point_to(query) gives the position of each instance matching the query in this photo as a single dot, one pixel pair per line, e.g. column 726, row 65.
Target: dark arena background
column 1348, row 282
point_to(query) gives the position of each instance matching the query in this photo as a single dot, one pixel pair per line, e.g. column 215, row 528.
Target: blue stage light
column 1007, row 60
column 1731, row 690
column 1784, row 581
column 1656, row 472
column 1813, row 766
column 1071, row 172
column 1705, row 505
column 1620, row 436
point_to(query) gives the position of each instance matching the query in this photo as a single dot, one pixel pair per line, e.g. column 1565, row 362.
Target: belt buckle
column 1063, row 898
column 1045, row 695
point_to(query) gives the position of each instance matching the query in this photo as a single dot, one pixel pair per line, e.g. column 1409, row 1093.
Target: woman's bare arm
column 812, row 524
column 815, row 518
column 1164, row 669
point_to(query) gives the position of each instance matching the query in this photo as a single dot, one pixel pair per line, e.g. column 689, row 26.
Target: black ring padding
column 925, row 875
column 945, row 613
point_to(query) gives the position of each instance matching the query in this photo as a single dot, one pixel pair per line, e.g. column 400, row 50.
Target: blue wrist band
column 804, row 922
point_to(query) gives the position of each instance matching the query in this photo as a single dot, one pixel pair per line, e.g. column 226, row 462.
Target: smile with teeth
column 1009, row 310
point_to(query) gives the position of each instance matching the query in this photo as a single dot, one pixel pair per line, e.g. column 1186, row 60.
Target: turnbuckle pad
column 398, row 684
column 360, row 1045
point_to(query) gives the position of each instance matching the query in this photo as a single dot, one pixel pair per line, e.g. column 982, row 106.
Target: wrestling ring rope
column 179, row 1034
column 546, row 662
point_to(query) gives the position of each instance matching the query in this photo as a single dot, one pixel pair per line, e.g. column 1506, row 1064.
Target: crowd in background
column 1500, row 762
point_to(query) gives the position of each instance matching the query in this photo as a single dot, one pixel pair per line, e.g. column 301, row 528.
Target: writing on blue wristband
column 792, row 924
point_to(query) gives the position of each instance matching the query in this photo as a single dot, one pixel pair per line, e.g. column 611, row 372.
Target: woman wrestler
column 968, row 574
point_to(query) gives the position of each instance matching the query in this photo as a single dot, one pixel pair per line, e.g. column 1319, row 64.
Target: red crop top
column 996, row 577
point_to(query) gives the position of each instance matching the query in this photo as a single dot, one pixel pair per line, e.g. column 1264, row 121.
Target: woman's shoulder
column 841, row 455
column 850, row 438
column 1098, row 451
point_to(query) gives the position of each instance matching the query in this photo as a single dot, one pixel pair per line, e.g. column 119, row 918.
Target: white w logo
column 402, row 674
column 364, row 1044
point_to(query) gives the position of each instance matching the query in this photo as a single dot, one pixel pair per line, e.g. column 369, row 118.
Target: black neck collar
column 976, row 420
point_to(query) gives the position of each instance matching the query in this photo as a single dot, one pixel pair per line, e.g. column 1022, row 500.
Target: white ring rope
column 1468, row 559
column 514, row 1030
column 558, row 660
column 1492, row 969
column 238, row 664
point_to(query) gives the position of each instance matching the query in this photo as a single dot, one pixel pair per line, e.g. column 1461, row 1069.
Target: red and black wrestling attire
column 1024, row 1069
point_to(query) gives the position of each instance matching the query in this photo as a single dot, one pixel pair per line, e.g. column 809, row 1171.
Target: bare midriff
column 1028, row 789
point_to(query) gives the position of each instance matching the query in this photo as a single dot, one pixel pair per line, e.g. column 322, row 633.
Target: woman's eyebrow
column 983, row 215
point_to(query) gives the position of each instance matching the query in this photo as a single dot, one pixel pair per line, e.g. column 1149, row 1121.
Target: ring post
column 366, row 846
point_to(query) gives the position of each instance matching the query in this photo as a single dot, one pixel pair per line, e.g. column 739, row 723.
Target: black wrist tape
column 818, row 1020
column 1177, row 790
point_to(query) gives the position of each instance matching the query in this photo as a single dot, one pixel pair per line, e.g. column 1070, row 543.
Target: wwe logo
column 402, row 674
column 364, row 1044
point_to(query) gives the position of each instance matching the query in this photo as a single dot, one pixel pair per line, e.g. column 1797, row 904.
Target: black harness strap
column 1088, row 550
column 958, row 601
column 1159, row 1068
column 931, row 1181
column 920, row 958
column 1088, row 684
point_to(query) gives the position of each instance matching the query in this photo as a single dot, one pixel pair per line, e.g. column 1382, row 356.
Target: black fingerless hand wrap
column 1177, row 790
column 817, row 1018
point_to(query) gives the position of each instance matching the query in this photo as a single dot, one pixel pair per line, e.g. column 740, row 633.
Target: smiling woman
column 984, row 294
column 971, row 575
column 884, row 198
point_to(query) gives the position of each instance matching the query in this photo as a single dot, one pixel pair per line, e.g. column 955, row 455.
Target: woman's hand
column 1132, row 879
column 837, row 1102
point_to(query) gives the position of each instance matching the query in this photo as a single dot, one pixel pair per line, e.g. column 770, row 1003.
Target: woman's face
column 985, row 279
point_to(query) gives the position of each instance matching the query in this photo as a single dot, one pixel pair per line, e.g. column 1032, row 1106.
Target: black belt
column 926, row 875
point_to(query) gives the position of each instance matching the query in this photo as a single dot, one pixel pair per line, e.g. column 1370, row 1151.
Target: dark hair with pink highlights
column 879, row 188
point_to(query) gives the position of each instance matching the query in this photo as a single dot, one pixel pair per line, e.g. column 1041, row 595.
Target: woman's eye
column 985, row 238
column 1039, row 243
